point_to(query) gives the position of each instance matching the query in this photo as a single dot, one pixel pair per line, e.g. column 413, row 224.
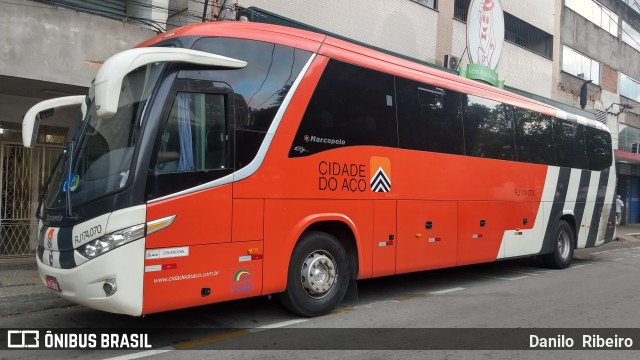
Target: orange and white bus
column 227, row 160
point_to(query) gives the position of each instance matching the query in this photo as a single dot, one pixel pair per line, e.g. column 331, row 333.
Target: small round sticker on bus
column 74, row 183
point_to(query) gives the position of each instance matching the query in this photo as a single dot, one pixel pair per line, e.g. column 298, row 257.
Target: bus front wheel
column 318, row 275
column 563, row 245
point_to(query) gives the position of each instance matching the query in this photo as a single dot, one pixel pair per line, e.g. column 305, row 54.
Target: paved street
column 599, row 290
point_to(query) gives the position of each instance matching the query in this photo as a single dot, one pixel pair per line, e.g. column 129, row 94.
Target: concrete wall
column 598, row 44
column 444, row 44
column 400, row 25
column 539, row 13
column 181, row 17
column 153, row 10
column 51, row 44
column 557, row 45
column 519, row 67
column 14, row 107
column 614, row 55
column 414, row 30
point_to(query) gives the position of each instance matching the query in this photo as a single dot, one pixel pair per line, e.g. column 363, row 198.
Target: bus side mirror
column 109, row 78
column 43, row 110
column 45, row 114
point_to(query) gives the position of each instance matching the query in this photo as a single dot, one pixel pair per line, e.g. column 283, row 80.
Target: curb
column 18, row 259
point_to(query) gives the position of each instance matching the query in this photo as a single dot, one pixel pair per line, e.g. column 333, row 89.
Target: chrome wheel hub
column 319, row 274
column 564, row 244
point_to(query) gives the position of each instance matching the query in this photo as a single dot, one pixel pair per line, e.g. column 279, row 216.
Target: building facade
column 552, row 48
column 600, row 43
column 429, row 30
column 47, row 51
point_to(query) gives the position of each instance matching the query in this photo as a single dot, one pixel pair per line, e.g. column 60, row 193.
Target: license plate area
column 52, row 283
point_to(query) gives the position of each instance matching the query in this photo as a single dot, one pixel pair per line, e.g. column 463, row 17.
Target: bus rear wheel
column 563, row 245
column 318, row 275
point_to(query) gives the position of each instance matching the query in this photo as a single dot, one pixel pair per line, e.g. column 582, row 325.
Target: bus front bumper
column 85, row 284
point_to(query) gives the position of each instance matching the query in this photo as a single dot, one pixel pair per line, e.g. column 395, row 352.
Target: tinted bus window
column 259, row 88
column 488, row 128
column 598, row 148
column 568, row 138
column 350, row 106
column 534, row 137
column 429, row 118
column 194, row 138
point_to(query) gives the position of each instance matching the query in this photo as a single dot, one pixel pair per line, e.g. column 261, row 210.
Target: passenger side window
column 534, row 137
column 429, row 118
column 598, row 144
column 259, row 88
column 488, row 128
column 195, row 137
column 350, row 106
column 568, row 138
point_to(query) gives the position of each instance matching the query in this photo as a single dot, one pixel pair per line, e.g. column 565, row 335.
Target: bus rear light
column 111, row 241
column 253, row 251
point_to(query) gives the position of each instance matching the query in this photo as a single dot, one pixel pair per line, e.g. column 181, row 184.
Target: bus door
column 191, row 259
column 427, row 235
column 193, row 148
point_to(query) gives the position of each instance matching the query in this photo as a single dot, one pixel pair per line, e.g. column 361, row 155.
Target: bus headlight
column 111, row 241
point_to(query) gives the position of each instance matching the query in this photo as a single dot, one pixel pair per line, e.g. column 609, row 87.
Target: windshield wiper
column 81, row 133
column 67, row 184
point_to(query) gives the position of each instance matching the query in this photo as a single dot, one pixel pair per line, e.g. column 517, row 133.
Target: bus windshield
column 102, row 149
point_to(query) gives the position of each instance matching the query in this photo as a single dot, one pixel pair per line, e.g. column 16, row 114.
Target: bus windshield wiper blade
column 78, row 138
column 67, row 184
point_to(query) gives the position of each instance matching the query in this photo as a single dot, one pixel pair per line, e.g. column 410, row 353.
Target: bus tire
column 318, row 275
column 563, row 244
